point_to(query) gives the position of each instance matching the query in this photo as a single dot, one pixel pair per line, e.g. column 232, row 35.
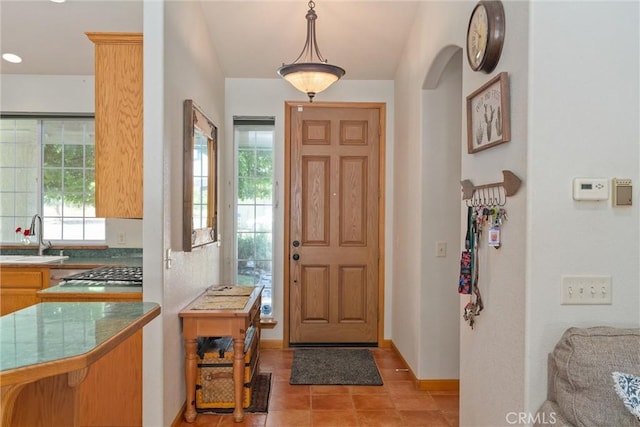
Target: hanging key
column 502, row 214
column 469, row 314
column 486, row 212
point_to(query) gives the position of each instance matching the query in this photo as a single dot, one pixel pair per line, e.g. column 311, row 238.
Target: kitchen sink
column 31, row 259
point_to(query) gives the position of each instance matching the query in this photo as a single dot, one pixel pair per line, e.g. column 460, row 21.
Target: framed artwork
column 488, row 115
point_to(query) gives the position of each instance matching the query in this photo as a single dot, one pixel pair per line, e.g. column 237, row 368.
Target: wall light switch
column 441, row 249
column 586, row 290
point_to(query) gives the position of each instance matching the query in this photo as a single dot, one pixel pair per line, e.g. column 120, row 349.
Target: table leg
column 190, row 369
column 238, row 376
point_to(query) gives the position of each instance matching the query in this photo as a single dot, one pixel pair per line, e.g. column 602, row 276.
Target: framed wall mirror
column 200, row 180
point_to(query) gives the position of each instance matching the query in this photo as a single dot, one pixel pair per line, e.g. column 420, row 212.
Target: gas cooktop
column 113, row 276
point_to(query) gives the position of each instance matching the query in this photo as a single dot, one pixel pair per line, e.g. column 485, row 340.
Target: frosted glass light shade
column 311, row 78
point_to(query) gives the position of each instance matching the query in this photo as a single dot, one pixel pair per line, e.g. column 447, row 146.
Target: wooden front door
column 334, row 223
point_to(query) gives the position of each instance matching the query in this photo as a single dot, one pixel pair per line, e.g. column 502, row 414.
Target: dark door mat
column 334, row 366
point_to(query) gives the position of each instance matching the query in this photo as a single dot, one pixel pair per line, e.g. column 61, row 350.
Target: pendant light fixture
column 304, row 73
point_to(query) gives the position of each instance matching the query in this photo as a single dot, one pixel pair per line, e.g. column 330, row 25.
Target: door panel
column 315, row 294
column 353, row 294
column 353, row 206
column 334, row 190
column 315, row 200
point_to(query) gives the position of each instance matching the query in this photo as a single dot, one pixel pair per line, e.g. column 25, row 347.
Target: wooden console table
column 201, row 322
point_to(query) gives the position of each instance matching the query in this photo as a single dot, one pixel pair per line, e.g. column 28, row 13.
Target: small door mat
column 259, row 397
column 334, row 366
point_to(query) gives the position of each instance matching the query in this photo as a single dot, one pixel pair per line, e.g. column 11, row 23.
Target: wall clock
column 485, row 35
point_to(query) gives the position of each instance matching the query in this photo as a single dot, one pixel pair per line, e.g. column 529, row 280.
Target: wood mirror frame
column 200, row 180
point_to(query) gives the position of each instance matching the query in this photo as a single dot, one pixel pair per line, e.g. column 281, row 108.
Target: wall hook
column 510, row 185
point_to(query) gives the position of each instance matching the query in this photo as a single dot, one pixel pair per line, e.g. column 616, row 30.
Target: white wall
column 492, row 356
column 426, row 180
column 153, row 407
column 439, row 336
column 583, row 122
column 23, row 93
column 574, row 112
column 496, row 345
column 266, row 97
column 179, row 65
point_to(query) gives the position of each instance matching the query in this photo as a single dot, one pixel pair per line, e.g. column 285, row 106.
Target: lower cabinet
column 19, row 287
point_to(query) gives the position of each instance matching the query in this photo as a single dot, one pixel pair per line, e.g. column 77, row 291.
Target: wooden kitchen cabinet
column 19, row 287
column 118, row 122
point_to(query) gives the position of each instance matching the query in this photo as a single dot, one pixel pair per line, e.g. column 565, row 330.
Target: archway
column 441, row 138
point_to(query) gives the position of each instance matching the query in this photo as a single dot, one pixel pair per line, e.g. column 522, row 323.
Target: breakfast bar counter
column 68, row 363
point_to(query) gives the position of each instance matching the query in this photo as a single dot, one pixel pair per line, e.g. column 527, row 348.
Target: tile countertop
column 81, row 258
column 81, row 262
column 69, row 288
column 53, row 332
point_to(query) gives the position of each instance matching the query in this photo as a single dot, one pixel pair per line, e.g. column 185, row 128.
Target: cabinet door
column 16, row 299
column 19, row 287
column 118, row 105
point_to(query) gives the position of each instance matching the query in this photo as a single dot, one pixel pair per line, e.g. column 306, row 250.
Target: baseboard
column 177, row 421
column 385, row 344
column 273, row 344
column 439, row 385
column 429, row 385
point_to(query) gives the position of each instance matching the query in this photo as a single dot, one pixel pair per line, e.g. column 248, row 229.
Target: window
column 47, row 166
column 254, row 205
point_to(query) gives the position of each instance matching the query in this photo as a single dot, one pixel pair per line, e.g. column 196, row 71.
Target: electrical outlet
column 441, row 249
column 122, row 238
column 586, row 290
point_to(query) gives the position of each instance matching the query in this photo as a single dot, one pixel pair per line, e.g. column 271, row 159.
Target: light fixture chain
column 304, row 73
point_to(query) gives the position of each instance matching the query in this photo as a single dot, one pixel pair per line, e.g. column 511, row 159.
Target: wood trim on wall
column 429, row 385
column 439, row 385
column 271, row 344
column 177, row 421
column 381, row 204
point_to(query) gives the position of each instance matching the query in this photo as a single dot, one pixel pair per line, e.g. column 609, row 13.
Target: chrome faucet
column 42, row 245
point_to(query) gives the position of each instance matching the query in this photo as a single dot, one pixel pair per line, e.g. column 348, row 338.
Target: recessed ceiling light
column 58, row 1
column 11, row 57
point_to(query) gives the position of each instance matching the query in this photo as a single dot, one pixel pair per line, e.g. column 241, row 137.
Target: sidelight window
column 254, row 205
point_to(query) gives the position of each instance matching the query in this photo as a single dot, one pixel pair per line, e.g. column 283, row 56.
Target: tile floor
column 396, row 403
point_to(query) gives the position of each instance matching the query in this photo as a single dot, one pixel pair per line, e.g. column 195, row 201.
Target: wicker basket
column 214, row 378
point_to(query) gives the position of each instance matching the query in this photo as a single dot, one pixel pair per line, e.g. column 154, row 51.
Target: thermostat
column 590, row 189
column 622, row 190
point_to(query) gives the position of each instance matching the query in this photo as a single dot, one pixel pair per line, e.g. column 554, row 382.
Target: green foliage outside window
column 255, row 169
column 77, row 185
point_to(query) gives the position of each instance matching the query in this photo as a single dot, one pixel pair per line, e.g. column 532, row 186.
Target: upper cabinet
column 118, row 122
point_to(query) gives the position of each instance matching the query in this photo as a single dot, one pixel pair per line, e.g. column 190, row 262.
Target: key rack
column 494, row 194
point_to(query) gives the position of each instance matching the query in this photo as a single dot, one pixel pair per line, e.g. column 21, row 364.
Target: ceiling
column 252, row 38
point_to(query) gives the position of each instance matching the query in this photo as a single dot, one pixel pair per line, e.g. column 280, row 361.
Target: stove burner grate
column 109, row 274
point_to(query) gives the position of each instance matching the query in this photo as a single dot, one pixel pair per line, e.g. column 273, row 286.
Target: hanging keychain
column 464, row 281
column 473, row 308
column 498, row 216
